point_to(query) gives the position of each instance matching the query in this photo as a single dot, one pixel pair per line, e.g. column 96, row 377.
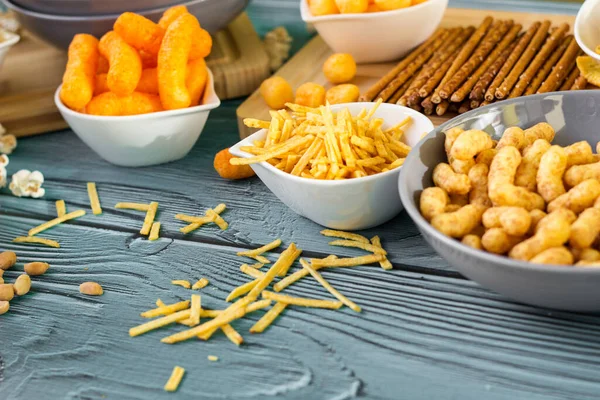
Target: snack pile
column 522, row 196
column 327, row 7
column 590, row 68
column 460, row 69
column 316, row 143
column 139, row 67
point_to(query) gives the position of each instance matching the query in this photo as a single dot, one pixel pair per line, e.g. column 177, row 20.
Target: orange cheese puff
column 136, row 103
column 80, row 74
column 172, row 63
column 102, row 65
column 170, row 15
column 310, row 94
column 125, row 64
column 197, row 75
column 148, row 81
column 148, row 60
column 228, row 171
column 276, row 91
column 323, row 7
column 139, row 32
column 100, row 86
column 201, row 42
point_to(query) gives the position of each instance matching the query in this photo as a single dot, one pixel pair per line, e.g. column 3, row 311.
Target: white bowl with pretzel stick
column 346, row 204
column 377, row 36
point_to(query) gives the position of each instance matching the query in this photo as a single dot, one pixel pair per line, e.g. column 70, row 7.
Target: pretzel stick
column 475, row 104
column 551, row 43
column 529, row 53
column 485, row 103
column 464, row 107
column 442, row 107
column 484, row 81
column 427, row 105
column 580, row 83
column 437, row 77
column 453, row 107
column 374, row 90
column 492, row 37
column 512, row 59
column 412, row 68
column 547, row 68
column 417, row 108
column 466, row 88
column 400, row 92
column 463, row 55
column 573, row 74
column 560, row 71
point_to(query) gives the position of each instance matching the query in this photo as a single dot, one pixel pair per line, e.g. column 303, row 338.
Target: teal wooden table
column 425, row 331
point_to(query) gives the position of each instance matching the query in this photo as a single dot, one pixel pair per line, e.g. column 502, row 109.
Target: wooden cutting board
column 33, row 70
column 305, row 66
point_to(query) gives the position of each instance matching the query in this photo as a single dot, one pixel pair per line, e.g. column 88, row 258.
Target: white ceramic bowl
column 142, row 140
column 380, row 36
column 10, row 39
column 587, row 27
column 351, row 204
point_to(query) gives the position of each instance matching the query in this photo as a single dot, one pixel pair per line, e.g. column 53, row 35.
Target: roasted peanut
column 7, row 259
column 36, row 268
column 433, row 202
column 22, row 285
column 91, row 289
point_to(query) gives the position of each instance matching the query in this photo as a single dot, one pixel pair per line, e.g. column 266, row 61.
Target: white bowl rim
column 480, row 255
column 234, row 150
column 10, row 39
column 308, row 17
column 213, row 102
column 577, row 29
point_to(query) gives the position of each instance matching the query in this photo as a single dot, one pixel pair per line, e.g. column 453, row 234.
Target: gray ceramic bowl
column 575, row 116
column 59, row 30
column 91, row 7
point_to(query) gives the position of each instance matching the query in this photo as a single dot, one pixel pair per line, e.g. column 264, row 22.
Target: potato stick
column 159, row 323
column 209, row 313
column 314, row 149
column 385, row 263
column 213, row 358
column 154, row 231
column 195, row 309
column 200, row 284
column 256, row 123
column 94, row 200
column 36, row 240
column 232, row 334
column 241, row 290
column 347, row 262
column 345, row 235
column 182, row 283
column 303, row 302
column 330, row 288
column 199, row 221
column 166, row 309
column 262, row 260
column 285, row 267
column 296, row 276
column 256, row 252
column 61, row 208
column 253, row 272
column 133, row 206
column 291, row 144
column 286, row 258
column 268, row 318
column 149, row 219
column 221, row 223
column 160, row 303
column 56, row 221
column 175, row 379
column 192, row 219
column 358, row 245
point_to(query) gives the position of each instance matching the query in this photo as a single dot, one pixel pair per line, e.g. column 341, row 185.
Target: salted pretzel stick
column 400, row 92
column 374, row 90
column 580, row 83
column 489, row 41
column 529, row 53
column 428, row 106
column 573, row 74
column 466, row 88
column 485, row 103
column 464, row 55
column 560, row 71
column 439, row 75
column 442, row 107
column 551, row 44
column 464, row 107
column 475, row 104
column 486, row 79
column 512, row 59
column 548, row 65
column 412, row 68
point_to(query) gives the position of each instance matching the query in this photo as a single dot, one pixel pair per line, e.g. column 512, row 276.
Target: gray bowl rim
column 100, row 17
column 486, row 258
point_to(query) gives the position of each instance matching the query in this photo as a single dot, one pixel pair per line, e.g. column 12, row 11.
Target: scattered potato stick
column 200, row 284
column 159, row 323
column 257, row 252
column 221, row 223
column 61, row 208
column 359, row 245
column 345, row 235
column 36, row 240
column 195, row 309
column 133, row 206
column 197, row 222
column 296, row 276
column 286, row 259
column 175, row 379
column 258, row 305
column 182, row 283
column 192, row 219
column 154, row 231
column 56, row 221
column 268, row 318
column 94, row 200
column 149, row 219
column 347, row 262
column 385, row 263
column 241, row 290
column 330, row 288
column 299, row 301
column 209, row 313
column 160, row 303
column 213, row 358
column 165, row 309
column 253, row 272
column 232, row 334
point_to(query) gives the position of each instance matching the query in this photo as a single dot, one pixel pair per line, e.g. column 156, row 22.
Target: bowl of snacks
column 509, row 195
column 340, row 167
column 7, row 40
column 373, row 32
column 587, row 31
column 131, row 113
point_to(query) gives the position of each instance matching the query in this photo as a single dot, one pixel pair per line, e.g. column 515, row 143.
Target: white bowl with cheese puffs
column 337, row 165
column 373, row 32
column 509, row 195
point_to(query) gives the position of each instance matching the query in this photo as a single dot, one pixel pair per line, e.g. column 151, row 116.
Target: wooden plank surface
column 305, row 66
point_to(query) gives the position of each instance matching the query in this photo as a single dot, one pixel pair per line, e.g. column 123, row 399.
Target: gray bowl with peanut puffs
column 509, row 195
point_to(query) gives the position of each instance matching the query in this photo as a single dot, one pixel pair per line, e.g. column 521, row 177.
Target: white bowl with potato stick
column 345, row 204
column 549, row 258
column 587, row 28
